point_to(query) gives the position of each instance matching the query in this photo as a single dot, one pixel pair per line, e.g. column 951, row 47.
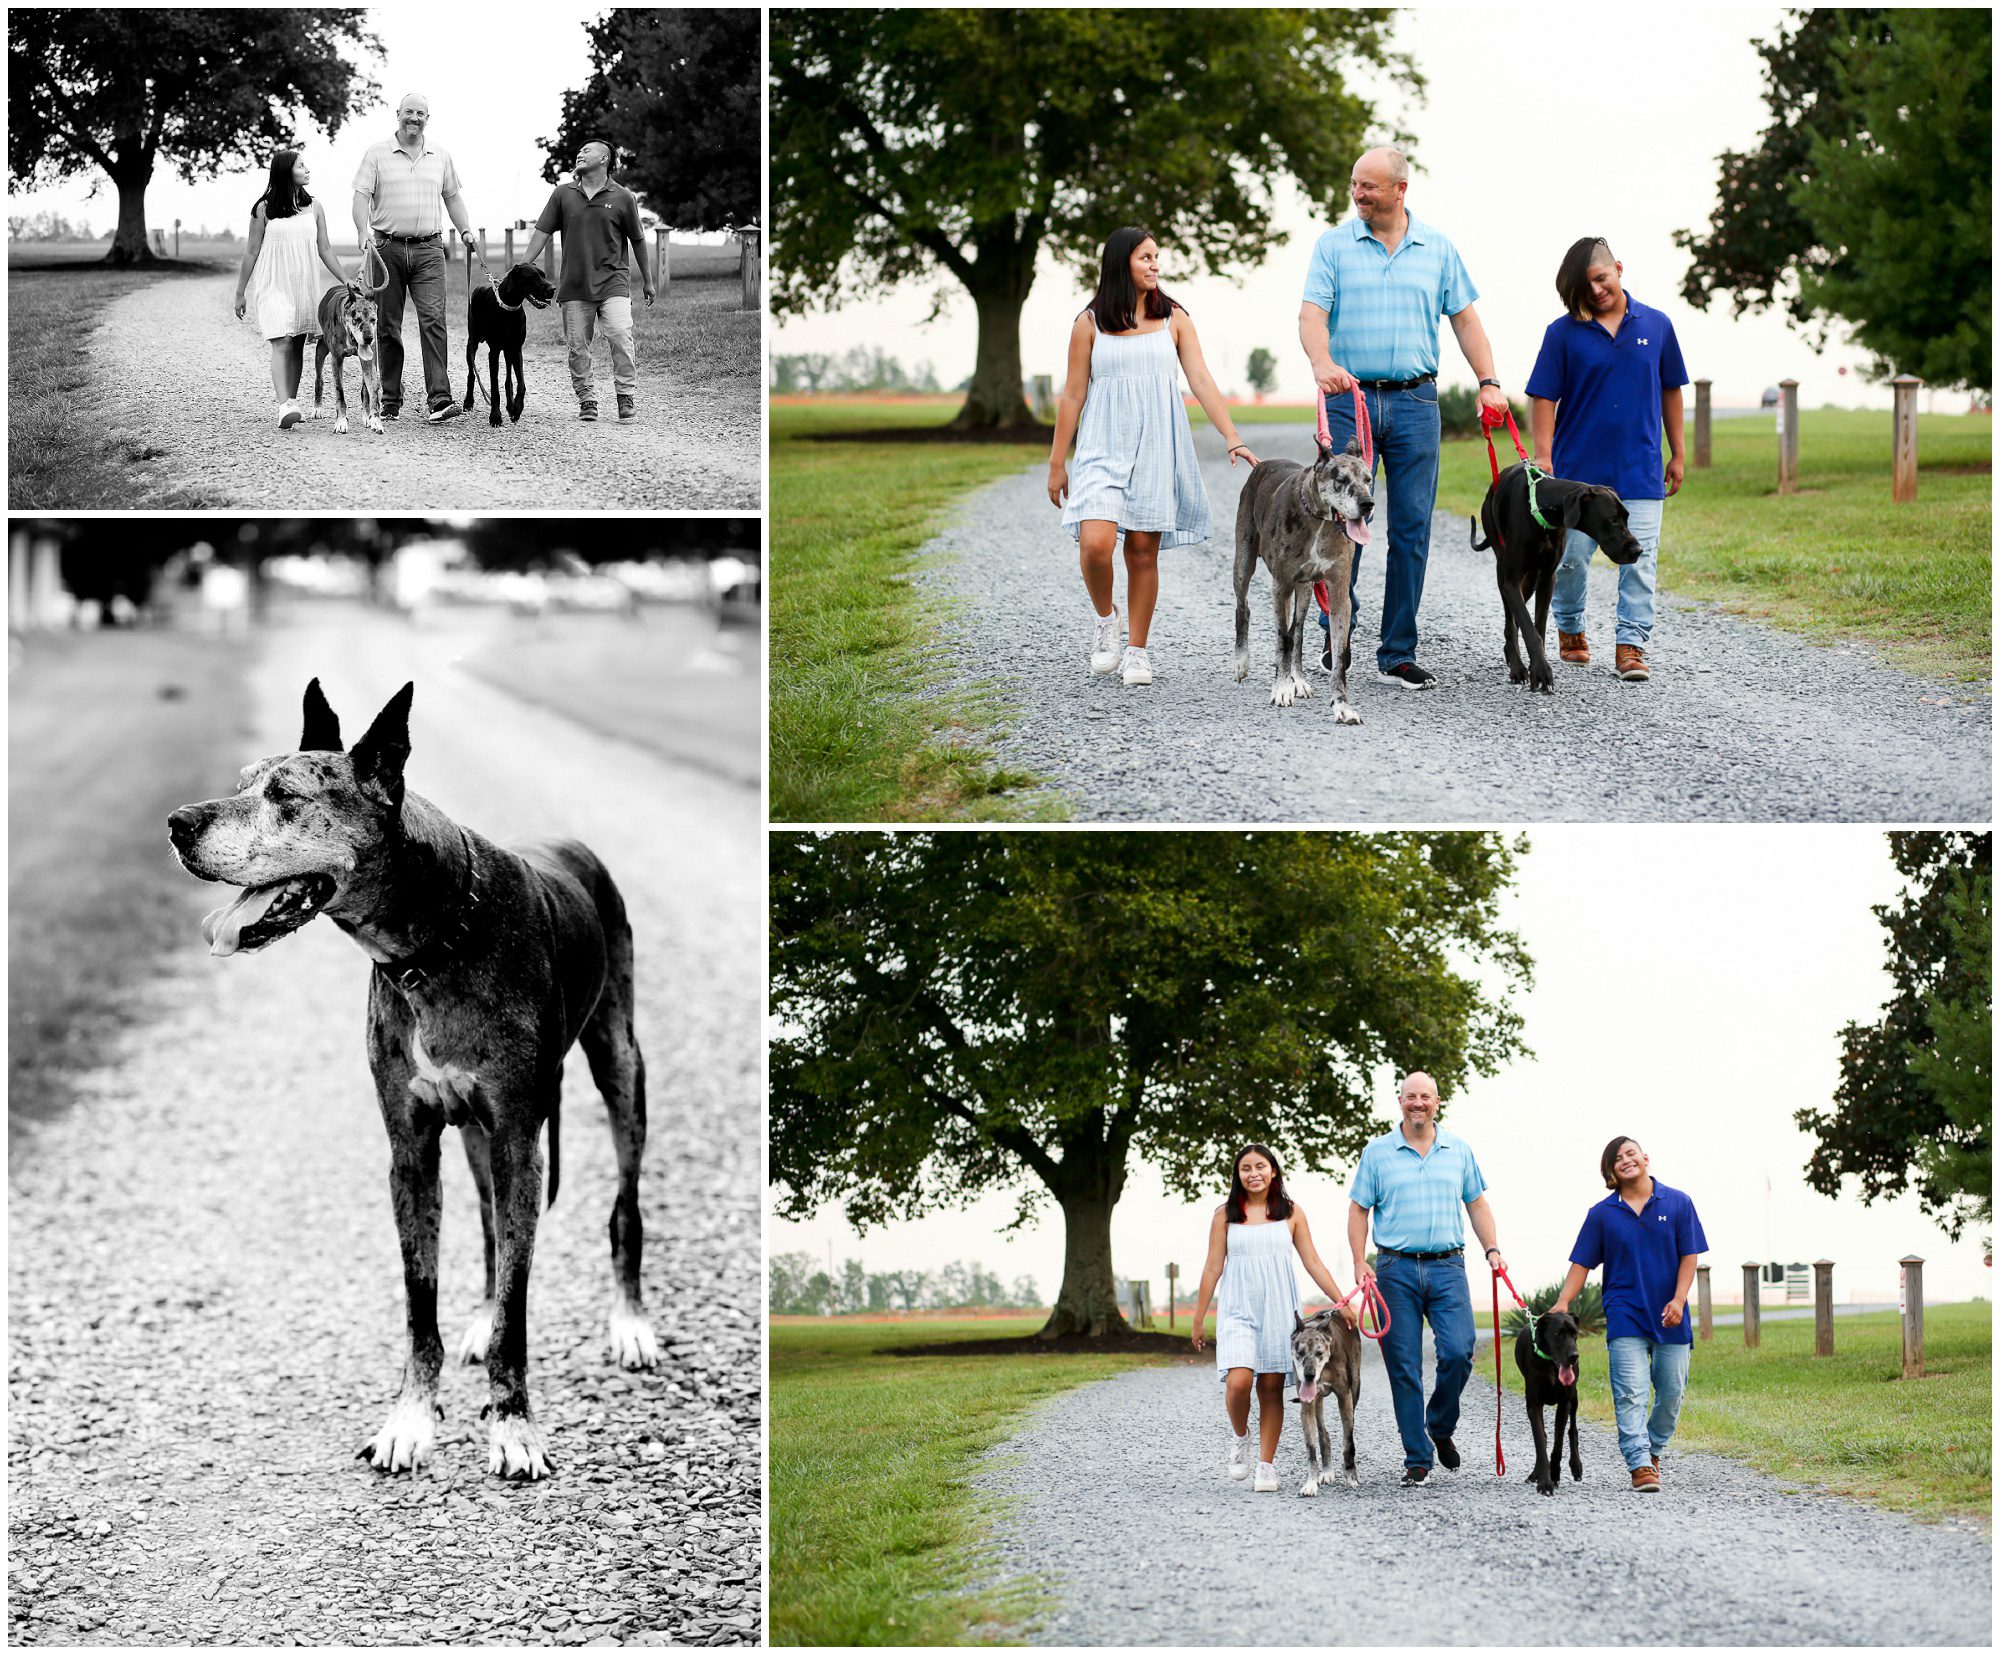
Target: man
column 1380, row 282
column 1648, row 1238
column 1609, row 375
column 1414, row 1179
column 597, row 219
column 397, row 192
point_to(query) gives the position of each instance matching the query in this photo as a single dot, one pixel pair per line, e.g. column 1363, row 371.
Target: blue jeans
column 1416, row 1291
column 416, row 270
column 1405, row 427
column 1635, row 580
column 1643, row 1371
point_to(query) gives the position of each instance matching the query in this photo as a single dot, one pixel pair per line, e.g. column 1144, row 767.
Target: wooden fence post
column 177, row 251
column 510, row 247
column 1701, row 415
column 1751, row 1328
column 1913, row 1316
column 551, row 266
column 1043, row 396
column 1173, row 1275
column 752, row 239
column 1788, row 436
column 1904, row 488
column 660, row 257
column 1823, row 1307
column 1704, row 1310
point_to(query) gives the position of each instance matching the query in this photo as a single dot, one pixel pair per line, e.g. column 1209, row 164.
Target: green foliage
column 1587, row 1307
column 1891, row 1126
column 1869, row 197
column 1262, row 371
column 958, row 1010
column 1458, row 416
column 911, row 144
column 676, row 93
column 800, row 1288
column 207, row 89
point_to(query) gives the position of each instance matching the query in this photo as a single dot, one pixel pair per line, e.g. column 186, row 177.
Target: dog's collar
column 411, row 971
column 1535, row 474
column 502, row 303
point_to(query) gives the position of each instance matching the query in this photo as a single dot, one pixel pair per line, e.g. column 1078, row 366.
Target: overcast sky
column 495, row 80
column 1539, row 125
column 1690, row 986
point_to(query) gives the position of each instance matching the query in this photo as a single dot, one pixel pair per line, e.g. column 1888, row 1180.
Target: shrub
column 1587, row 1308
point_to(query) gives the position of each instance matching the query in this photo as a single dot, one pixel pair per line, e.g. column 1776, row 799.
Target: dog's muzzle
column 261, row 914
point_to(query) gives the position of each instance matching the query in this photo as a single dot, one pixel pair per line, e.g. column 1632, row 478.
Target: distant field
column 684, row 261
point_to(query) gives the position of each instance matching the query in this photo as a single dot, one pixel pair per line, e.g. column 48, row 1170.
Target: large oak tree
column 959, row 144
column 971, row 1011
column 116, row 91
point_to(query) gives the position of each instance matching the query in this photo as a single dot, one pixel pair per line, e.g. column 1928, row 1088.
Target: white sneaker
column 1267, row 1478
column 1138, row 670
column 1239, row 1468
column 288, row 415
column 1104, row 644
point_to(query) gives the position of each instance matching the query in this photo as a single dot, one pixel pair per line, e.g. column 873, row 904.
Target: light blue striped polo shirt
column 1383, row 308
column 1418, row 1200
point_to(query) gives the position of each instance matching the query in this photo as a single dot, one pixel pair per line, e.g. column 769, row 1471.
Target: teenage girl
column 1136, row 474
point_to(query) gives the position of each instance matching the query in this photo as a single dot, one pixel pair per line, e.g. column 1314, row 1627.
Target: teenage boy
column 1648, row 1238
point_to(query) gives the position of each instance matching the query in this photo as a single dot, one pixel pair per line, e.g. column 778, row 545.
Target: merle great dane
column 1526, row 553
column 1303, row 522
column 1326, row 1359
column 489, row 964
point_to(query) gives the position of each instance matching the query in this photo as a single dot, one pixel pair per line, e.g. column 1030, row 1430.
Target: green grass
column 1847, row 1423
column 853, row 735
column 876, row 1532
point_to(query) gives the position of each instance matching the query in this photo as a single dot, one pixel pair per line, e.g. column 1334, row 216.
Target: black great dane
column 1526, row 551
column 494, row 318
column 489, row 964
column 1546, row 1353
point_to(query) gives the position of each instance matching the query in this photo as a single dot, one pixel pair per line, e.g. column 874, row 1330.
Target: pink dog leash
column 1325, row 434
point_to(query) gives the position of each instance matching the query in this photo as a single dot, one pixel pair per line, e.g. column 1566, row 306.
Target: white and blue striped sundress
column 1258, row 1299
column 1135, row 463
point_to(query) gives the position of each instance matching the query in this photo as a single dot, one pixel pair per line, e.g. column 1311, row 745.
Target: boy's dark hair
column 1115, row 305
column 1573, row 274
column 1609, row 1159
column 1277, row 1204
column 282, row 196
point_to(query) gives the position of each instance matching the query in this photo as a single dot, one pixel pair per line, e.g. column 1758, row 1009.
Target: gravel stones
column 1739, row 722
column 1115, row 1501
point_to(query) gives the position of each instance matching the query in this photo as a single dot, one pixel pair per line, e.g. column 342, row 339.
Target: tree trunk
column 129, row 245
column 1088, row 1302
column 996, row 400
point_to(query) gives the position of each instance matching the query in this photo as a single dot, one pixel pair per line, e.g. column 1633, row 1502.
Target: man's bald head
column 1387, row 162
column 1417, row 1084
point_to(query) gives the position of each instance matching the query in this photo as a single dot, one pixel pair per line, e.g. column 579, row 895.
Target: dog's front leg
column 1282, row 676
column 517, row 384
column 1575, row 1447
column 1543, row 1482
column 478, row 1334
column 1347, row 1434
column 1340, row 586
column 1302, row 602
column 408, row 1435
column 1540, row 676
column 516, row 1446
column 493, row 380
column 371, row 396
column 1510, row 602
column 1309, row 1428
column 339, row 394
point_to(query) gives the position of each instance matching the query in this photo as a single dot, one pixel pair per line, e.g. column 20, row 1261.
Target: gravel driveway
column 1120, row 1505
column 193, row 398
column 1739, row 723
column 205, row 1293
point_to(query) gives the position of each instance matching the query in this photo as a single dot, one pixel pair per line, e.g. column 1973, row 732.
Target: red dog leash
column 1325, row 434
column 1372, row 1305
column 1490, row 420
column 1499, row 1454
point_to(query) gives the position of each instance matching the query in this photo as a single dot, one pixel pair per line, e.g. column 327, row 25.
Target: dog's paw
column 1516, row 673
column 478, row 1334
column 375, row 425
column 1301, row 688
column 515, row 1447
column 340, row 426
column 1345, row 714
column 1353, row 1478
column 1309, row 1489
column 1242, row 668
column 1542, row 677
column 407, row 1436
column 316, row 414
column 1576, row 1471
column 1281, row 693
column 632, row 1342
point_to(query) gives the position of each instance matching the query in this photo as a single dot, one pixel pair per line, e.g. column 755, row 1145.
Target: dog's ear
column 380, row 755
column 322, row 728
column 1298, row 1322
column 1353, row 447
column 1572, row 508
column 1325, row 449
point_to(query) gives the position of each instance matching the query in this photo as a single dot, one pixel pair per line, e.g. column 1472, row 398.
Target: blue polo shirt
column 1382, row 308
column 1418, row 1200
column 1607, row 395
column 1641, row 1253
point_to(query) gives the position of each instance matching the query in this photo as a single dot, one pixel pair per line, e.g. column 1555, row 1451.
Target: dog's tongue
column 223, row 930
column 1308, row 1390
column 1357, row 529
column 1566, row 1375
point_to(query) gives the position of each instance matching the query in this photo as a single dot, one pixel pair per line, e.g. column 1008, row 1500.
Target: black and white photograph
column 292, row 1360
column 400, row 259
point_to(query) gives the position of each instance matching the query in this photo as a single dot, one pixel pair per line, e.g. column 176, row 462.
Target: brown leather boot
column 1632, row 664
column 1645, row 1480
column 1575, row 648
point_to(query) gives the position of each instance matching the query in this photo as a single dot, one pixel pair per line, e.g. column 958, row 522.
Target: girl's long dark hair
column 1115, row 305
column 1573, row 275
column 282, row 196
column 1277, row 1204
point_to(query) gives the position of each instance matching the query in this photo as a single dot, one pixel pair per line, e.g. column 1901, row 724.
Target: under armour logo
column 1645, row 341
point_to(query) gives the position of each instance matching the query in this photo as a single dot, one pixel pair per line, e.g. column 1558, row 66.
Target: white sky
column 1636, row 104
column 1690, row 984
column 495, row 80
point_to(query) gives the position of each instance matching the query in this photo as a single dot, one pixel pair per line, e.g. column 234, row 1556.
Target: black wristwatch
column 1491, row 1251
column 1493, row 382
